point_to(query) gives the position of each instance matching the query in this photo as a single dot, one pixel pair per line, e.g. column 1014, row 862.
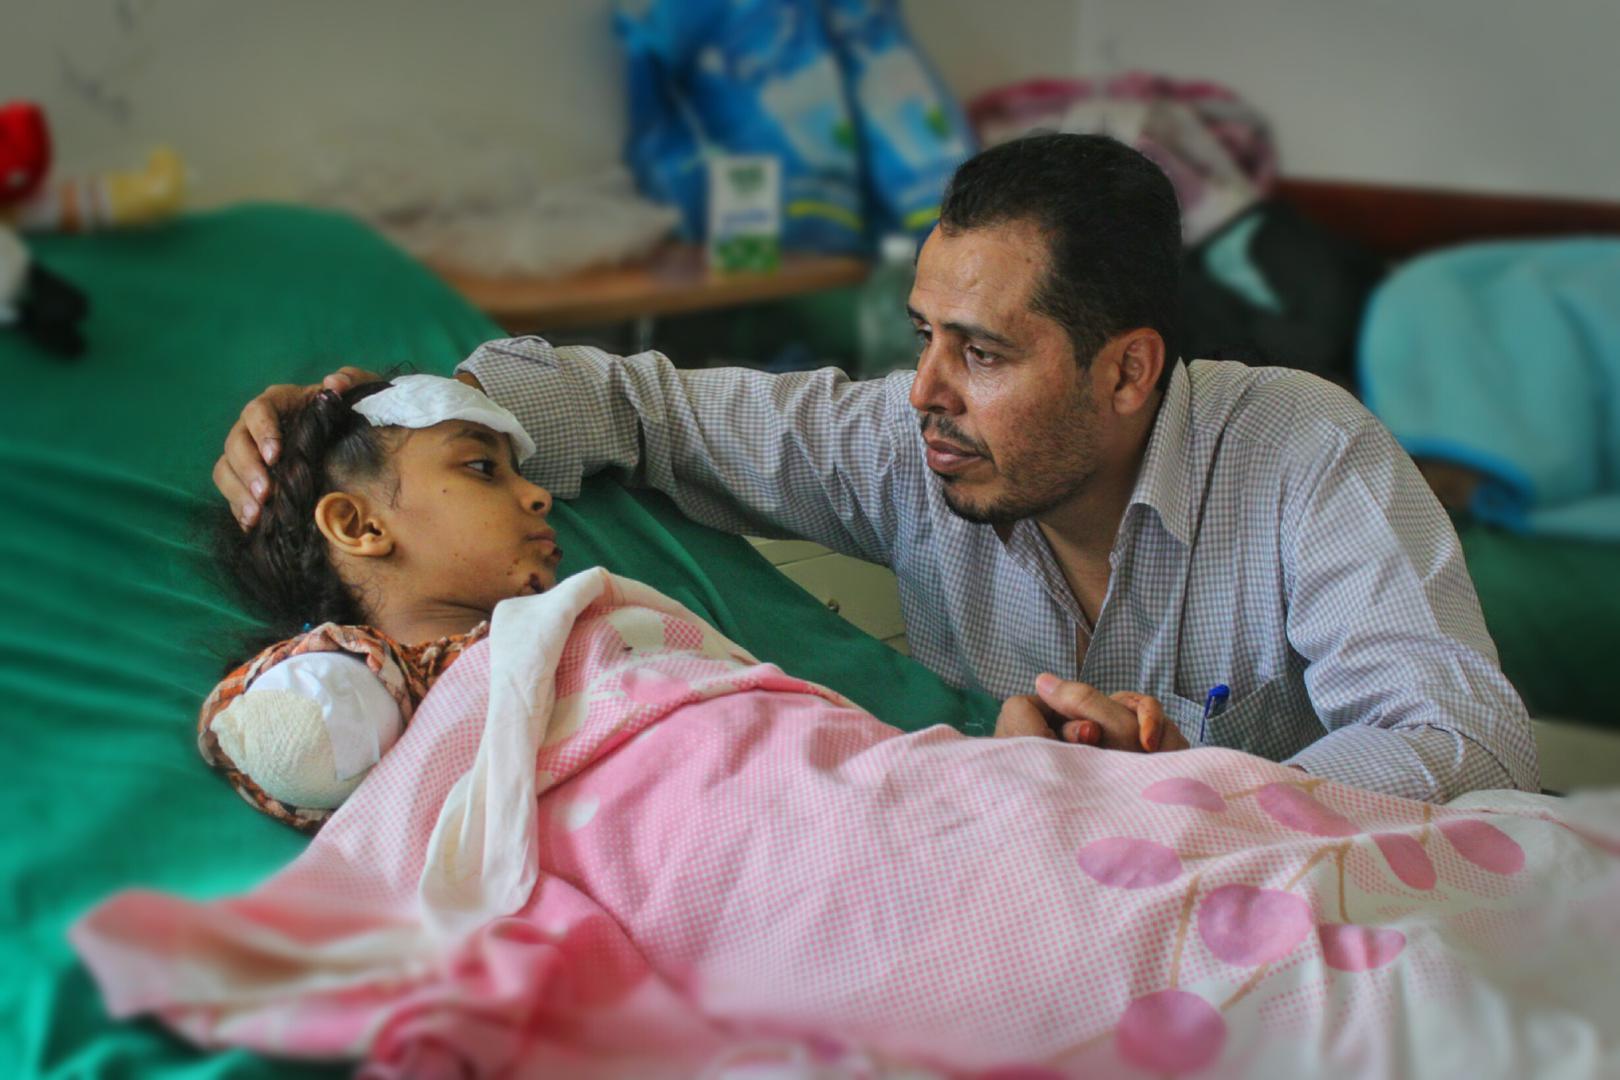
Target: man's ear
column 1141, row 361
column 349, row 525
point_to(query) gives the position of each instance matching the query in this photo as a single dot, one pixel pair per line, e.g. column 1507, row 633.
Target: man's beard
column 1047, row 476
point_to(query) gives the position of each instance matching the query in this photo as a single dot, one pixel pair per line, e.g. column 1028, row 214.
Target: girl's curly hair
column 281, row 569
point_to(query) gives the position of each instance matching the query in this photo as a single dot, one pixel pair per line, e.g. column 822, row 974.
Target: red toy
column 42, row 305
column 122, row 197
column 25, row 151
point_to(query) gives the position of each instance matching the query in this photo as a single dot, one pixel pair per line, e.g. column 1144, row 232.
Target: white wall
column 1489, row 94
column 980, row 44
column 254, row 93
column 1501, row 95
column 250, row 92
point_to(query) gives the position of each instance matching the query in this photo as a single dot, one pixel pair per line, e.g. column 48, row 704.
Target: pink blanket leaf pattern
column 697, row 865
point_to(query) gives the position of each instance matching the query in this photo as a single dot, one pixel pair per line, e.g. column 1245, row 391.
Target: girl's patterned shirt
column 406, row 671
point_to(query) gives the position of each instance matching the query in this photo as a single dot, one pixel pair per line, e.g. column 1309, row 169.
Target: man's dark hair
column 1113, row 229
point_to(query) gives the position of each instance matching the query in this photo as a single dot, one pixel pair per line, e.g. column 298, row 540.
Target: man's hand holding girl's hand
column 1079, row 713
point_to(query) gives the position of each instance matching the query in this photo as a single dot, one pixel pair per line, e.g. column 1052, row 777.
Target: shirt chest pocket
column 1275, row 720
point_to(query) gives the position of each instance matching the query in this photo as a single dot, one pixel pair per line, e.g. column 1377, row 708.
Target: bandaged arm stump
column 310, row 728
column 296, row 729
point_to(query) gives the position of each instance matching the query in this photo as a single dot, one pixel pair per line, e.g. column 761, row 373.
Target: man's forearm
column 1401, row 667
column 808, row 454
column 1427, row 763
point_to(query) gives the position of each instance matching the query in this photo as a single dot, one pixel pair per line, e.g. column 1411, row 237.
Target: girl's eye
column 486, row 466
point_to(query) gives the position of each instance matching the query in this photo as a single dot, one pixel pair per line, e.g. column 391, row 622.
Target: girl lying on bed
column 398, row 521
column 612, row 844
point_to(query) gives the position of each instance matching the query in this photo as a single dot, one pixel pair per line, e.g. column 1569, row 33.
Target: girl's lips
column 547, row 538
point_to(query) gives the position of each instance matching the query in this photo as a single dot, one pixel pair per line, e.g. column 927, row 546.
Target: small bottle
column 885, row 340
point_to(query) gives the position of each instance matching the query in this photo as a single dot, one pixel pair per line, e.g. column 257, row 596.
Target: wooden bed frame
column 1397, row 222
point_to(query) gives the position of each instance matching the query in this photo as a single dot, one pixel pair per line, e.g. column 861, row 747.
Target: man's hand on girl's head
column 254, row 441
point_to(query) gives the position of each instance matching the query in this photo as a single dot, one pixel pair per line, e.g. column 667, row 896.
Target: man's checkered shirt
column 1278, row 540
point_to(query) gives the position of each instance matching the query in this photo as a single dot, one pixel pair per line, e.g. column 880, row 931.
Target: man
column 1059, row 497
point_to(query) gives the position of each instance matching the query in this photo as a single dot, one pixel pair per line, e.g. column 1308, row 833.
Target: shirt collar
column 1162, row 482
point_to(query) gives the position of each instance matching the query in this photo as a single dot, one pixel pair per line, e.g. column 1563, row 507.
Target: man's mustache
column 941, row 427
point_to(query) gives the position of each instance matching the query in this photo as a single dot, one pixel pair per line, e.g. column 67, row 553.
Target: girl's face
column 468, row 530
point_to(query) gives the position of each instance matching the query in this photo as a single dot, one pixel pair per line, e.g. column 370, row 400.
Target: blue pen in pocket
column 1214, row 704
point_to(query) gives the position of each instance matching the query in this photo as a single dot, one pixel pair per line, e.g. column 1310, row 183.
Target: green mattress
column 112, row 630
column 1553, row 607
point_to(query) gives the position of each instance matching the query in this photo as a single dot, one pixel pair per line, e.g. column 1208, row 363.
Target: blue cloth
column 913, row 134
column 1229, row 258
column 1505, row 358
column 743, row 77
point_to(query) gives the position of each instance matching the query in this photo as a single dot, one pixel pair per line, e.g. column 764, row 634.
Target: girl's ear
column 347, row 524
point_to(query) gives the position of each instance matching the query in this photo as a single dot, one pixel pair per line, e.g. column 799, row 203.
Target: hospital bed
column 113, row 627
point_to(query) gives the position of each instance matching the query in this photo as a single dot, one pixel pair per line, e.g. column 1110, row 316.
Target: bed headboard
column 1397, row 222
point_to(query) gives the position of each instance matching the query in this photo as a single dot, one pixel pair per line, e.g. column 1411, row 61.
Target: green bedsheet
column 1553, row 607
column 110, row 628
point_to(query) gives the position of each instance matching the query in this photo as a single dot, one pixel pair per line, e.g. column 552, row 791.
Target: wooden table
column 674, row 281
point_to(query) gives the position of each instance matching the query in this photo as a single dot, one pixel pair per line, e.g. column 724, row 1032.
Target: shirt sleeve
column 1400, row 667
column 805, row 454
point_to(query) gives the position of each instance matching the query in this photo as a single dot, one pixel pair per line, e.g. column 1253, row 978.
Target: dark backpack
column 1272, row 287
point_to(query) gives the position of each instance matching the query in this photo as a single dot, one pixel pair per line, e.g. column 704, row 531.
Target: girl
column 382, row 553
column 397, row 521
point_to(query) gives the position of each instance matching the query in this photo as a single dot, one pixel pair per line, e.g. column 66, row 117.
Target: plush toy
column 78, row 204
column 25, row 151
column 113, row 199
column 42, row 305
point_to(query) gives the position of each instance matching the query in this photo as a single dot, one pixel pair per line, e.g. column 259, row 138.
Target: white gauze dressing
column 421, row 401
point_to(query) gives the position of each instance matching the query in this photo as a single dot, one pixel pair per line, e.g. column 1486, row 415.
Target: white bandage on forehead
column 420, row 401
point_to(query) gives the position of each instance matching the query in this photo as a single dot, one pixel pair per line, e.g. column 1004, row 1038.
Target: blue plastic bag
column 912, row 132
column 742, row 77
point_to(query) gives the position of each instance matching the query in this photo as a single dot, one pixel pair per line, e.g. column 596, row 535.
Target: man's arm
column 807, row 454
column 1401, row 668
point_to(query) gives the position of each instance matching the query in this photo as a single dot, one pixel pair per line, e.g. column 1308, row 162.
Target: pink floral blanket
column 612, row 844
